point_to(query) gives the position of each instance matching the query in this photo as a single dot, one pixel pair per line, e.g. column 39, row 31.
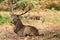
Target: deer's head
column 15, row 19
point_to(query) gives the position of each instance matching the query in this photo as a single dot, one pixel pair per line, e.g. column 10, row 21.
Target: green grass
column 0, row 33
column 44, row 20
column 56, row 20
column 5, row 20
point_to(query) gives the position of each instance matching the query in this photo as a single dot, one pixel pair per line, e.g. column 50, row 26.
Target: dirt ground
column 7, row 33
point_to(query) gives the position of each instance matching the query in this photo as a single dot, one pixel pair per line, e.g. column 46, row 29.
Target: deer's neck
column 19, row 26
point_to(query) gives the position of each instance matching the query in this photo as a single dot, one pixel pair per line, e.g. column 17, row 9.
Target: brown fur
column 23, row 30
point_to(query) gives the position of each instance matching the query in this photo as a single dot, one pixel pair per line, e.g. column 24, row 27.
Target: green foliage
column 19, row 3
column 23, row 17
column 55, row 20
column 43, row 20
column 0, row 33
column 1, row 21
column 4, row 19
column 1, row 1
column 22, row 4
column 53, row 9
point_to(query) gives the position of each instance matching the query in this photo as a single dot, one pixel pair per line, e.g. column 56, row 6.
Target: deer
column 21, row 29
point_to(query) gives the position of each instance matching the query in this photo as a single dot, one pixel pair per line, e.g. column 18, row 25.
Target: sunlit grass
column 4, row 19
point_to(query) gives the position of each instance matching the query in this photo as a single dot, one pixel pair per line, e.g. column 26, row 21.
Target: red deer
column 21, row 29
